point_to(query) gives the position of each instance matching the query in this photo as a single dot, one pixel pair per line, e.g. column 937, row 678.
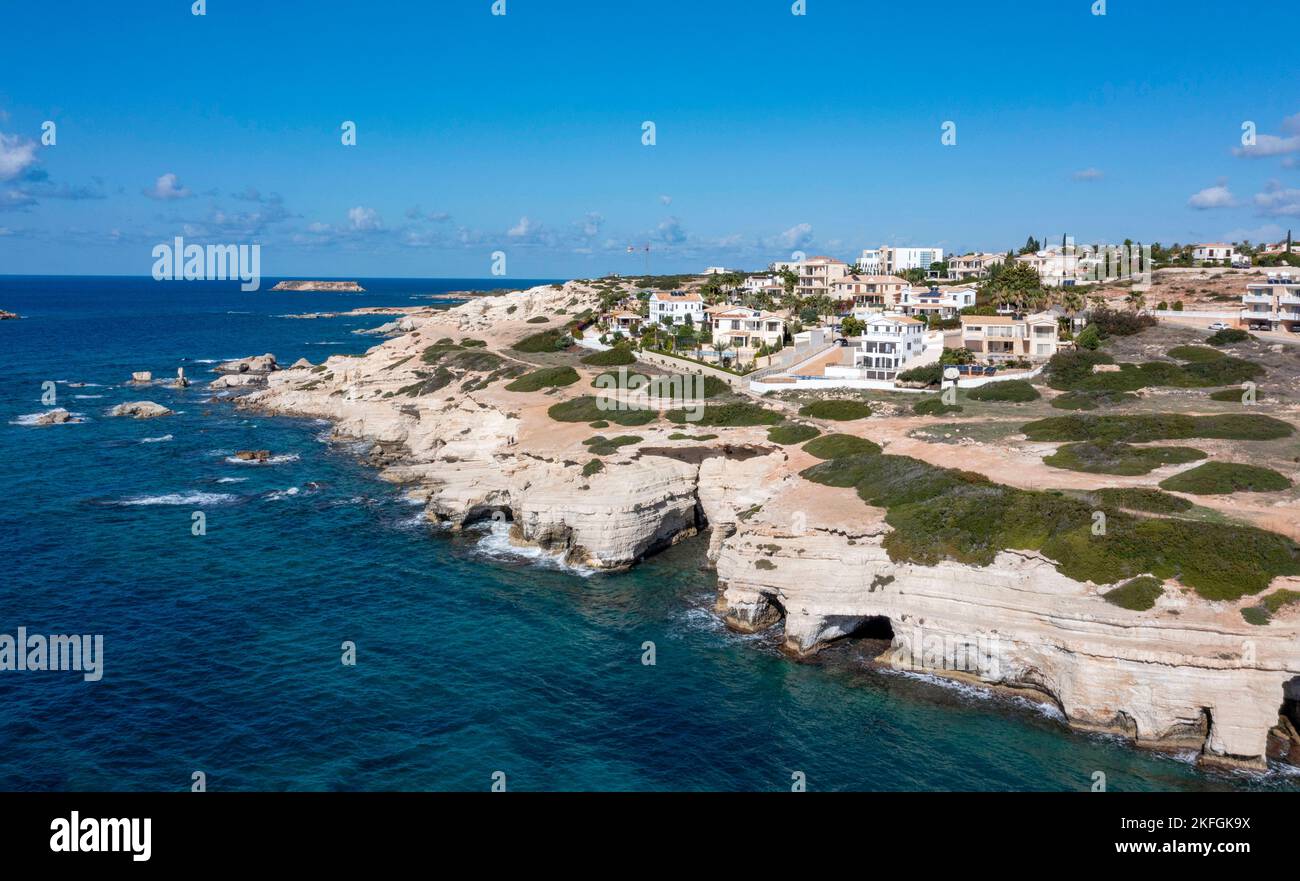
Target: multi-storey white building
column 887, row 260
column 745, row 329
column 945, row 302
column 1273, row 304
column 976, row 265
column 887, row 345
column 763, row 284
column 676, row 306
column 1056, row 268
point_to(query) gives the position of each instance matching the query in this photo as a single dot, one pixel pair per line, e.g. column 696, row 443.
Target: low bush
column 1139, row 428
column 1107, row 457
column 538, row 319
column 1227, row 337
column 1016, row 391
column 1233, row 395
column 1141, row 498
column 1216, row 478
column 603, row 446
column 1091, row 400
column 723, row 415
column 615, row 357
column 547, row 377
column 592, row 467
column 839, row 409
column 552, row 340
column 1138, row 594
column 1198, row 354
column 587, row 409
column 933, row 405
column 836, row 446
column 793, row 433
column 930, row 374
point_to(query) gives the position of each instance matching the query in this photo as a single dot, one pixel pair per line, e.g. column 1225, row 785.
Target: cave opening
column 876, row 627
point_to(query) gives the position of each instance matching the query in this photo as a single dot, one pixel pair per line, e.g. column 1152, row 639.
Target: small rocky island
column 332, row 287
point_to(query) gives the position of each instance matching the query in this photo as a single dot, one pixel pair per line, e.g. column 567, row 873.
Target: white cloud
column 798, row 236
column 16, row 156
column 364, row 219
column 670, row 231
column 1278, row 201
column 1269, row 145
column 525, row 228
column 667, row 200
column 167, row 187
column 1089, row 174
column 591, row 225
column 1212, row 197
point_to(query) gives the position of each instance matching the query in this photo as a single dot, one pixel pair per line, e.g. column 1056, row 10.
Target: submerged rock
column 57, row 416
column 253, row 455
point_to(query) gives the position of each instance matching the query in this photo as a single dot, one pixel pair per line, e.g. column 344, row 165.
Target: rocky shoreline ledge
column 1186, row 674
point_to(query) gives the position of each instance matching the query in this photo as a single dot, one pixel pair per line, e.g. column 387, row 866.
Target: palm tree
column 720, row 346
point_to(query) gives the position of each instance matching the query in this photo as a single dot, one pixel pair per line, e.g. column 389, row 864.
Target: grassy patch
column 945, row 514
column 1197, row 354
column 836, row 446
column 1262, row 613
column 839, row 409
column 1215, row 478
column 585, row 409
column 677, row 387
column 604, row 446
column 1138, row 594
column 1142, row 499
column 1015, row 391
column 933, row 405
column 614, row 357
column 441, row 378
column 546, row 341
column 793, row 433
column 1157, row 426
column 547, row 377
column 726, row 415
column 1072, row 371
column 1233, row 396
column 1110, row 457
column 470, row 343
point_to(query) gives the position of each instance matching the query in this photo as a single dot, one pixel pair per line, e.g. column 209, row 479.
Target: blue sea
column 222, row 652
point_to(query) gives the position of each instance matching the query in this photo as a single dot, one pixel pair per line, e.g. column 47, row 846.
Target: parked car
column 1218, row 325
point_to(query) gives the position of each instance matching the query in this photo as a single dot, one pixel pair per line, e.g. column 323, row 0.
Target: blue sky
column 523, row 133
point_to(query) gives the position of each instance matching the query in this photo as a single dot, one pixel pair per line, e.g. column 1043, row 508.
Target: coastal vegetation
column 1198, row 354
column 589, row 409
column 613, row 357
column 1216, row 478
column 1113, row 457
column 546, row 377
column 1074, row 371
column 603, row 446
column 1016, row 391
column 946, row 514
column 933, row 405
column 1138, row 428
column 839, row 409
column 1138, row 594
column 1141, row 498
column 836, row 446
column 793, row 433
column 1227, row 337
column 1263, row 612
column 1081, row 400
column 726, row 415
column 552, row 340
column 592, row 467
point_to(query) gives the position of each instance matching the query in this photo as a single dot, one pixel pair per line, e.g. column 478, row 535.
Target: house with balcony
column 746, row 330
column 1273, row 304
column 676, row 306
column 871, row 291
column 975, row 265
column 996, row 338
column 889, row 343
column 1057, row 268
column 624, row 320
column 940, row 302
column 763, row 284
column 1214, row 252
column 816, row 275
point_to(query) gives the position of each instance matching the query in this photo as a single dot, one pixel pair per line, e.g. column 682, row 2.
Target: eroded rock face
column 252, row 364
column 140, row 410
column 1195, row 679
column 237, row 380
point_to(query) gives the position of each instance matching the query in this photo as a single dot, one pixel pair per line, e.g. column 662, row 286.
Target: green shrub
column 1157, row 426
column 839, row 409
column 618, row 355
column 1142, row 499
column 599, row 423
column 1072, row 371
column 1214, row 478
column 1112, row 322
column 933, row 405
column 930, row 374
column 586, row 409
column 1198, row 354
column 665, row 386
column 1138, row 594
column 552, row 340
column 1091, row 400
column 441, row 378
column 836, row 446
column 1232, row 395
column 723, row 415
column 469, row 343
column 592, row 467
column 1256, row 615
column 793, row 433
column 547, row 377
column 1067, row 369
column 1108, row 457
column 1227, row 337
column 1089, row 338
column 1016, row 391
column 677, row 435
column 604, row 446
column 436, row 352
column 537, row 319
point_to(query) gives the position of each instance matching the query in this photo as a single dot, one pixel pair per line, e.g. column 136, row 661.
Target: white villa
column 763, row 284
column 676, row 306
column 815, row 274
column 1005, row 338
column 888, row 345
column 1273, row 304
column 975, row 265
column 1214, row 252
column 946, row 302
column 743, row 328
column 1057, row 268
column 886, row 260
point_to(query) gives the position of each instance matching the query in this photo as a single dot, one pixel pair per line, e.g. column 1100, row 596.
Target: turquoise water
column 222, row 652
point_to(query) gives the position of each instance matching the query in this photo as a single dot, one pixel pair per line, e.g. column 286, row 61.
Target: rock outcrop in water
column 334, row 287
column 1187, row 674
column 140, row 410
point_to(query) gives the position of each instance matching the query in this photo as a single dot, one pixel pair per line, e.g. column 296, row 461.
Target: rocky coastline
column 1188, row 674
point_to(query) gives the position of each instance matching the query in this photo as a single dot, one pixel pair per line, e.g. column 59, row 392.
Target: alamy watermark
column 177, row 261
column 75, row 653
